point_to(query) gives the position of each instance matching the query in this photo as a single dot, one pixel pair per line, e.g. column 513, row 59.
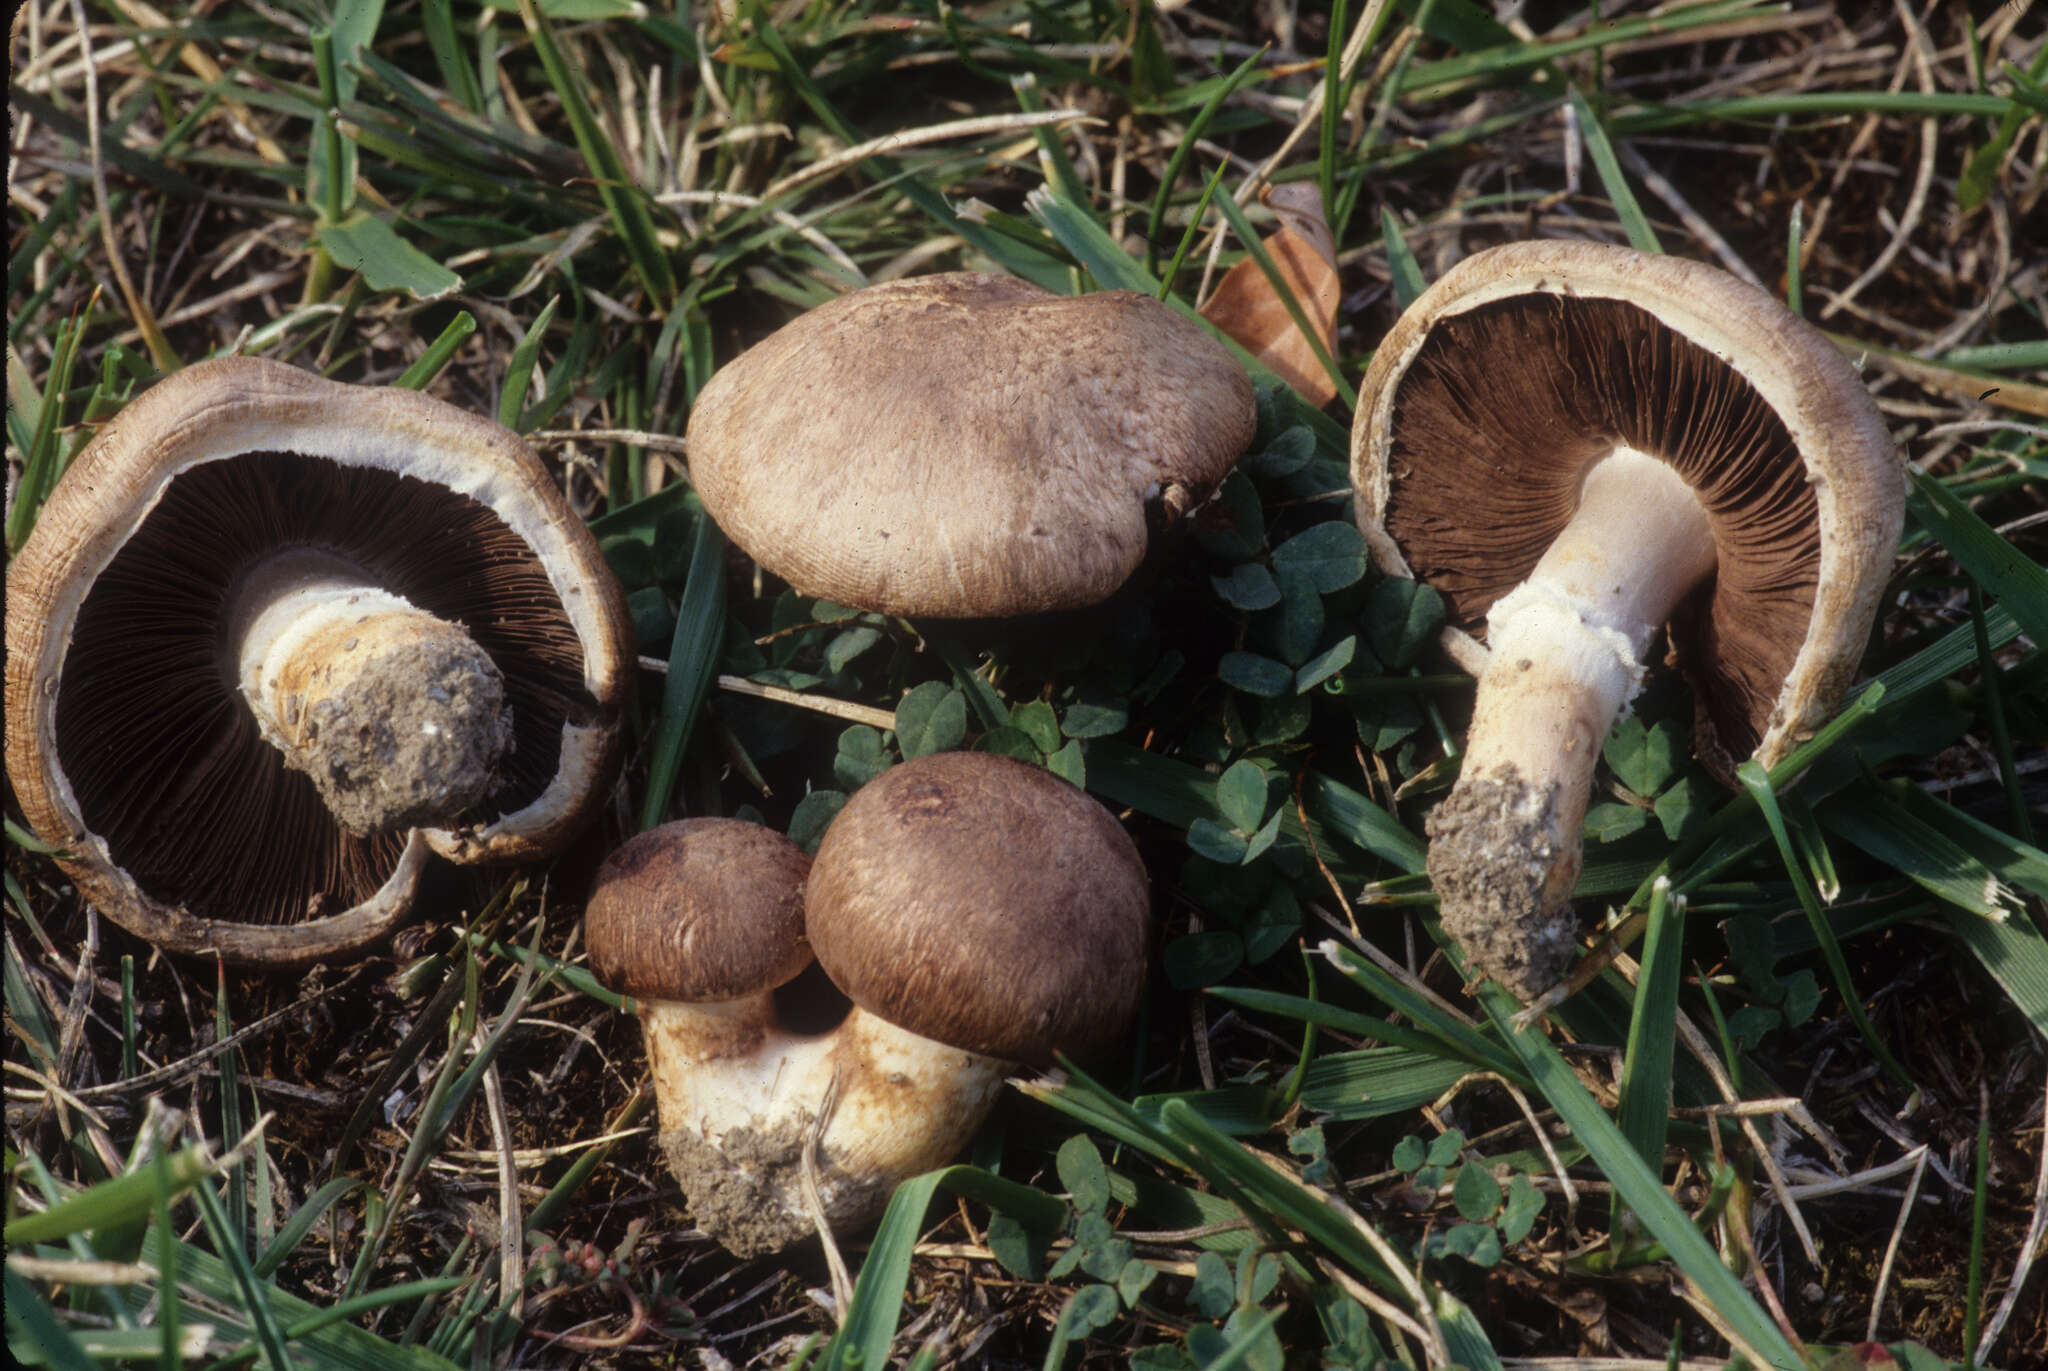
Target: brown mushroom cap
column 967, row 446
column 1526, row 364
column 699, row 910
column 983, row 903
column 126, row 740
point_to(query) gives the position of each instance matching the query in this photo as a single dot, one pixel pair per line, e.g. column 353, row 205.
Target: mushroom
column 967, row 446
column 275, row 639
column 1576, row 443
column 979, row 912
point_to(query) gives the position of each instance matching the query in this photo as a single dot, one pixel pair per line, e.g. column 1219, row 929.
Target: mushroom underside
column 155, row 740
column 1507, row 448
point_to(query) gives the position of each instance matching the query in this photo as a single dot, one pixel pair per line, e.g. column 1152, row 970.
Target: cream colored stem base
column 397, row 716
column 1566, row 655
column 741, row 1100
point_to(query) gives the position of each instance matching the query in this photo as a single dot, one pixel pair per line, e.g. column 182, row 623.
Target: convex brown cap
column 128, row 741
column 967, row 446
column 699, row 910
column 984, row 903
column 1526, row 364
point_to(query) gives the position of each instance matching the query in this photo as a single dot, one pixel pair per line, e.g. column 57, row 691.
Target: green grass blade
column 519, row 371
column 1640, row 235
column 1645, row 1108
column 421, row 374
column 438, row 19
column 1333, row 106
column 332, row 1344
column 1872, row 818
column 1401, row 264
column 564, row 1190
column 301, row 1223
column 2027, row 356
column 253, row 1296
column 1945, row 656
column 2018, row 581
column 31, row 1321
column 1637, row 1186
column 621, row 195
column 1795, row 241
column 1723, row 840
column 1810, row 105
column 170, row 1311
column 692, row 664
column 1758, row 783
column 2014, row 954
column 230, row 1114
column 1464, row 1335
column 112, row 1203
column 1362, row 822
column 1100, row 255
column 428, row 1026
column 342, row 1310
column 1281, row 1200
column 1052, row 154
column 1188, row 235
column 42, row 464
column 27, row 1015
column 1466, row 1040
column 2011, row 858
column 1500, row 55
column 877, row 1305
column 988, row 705
column 1349, row 1021
column 1155, row 221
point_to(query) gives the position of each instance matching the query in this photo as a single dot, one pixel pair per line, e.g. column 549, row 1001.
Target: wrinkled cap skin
column 967, row 446
column 983, row 903
column 1524, row 364
column 127, row 742
column 699, row 910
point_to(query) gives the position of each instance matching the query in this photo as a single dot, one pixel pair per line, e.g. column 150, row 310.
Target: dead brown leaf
column 1246, row 306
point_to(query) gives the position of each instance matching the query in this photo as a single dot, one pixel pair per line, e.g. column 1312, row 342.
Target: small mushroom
column 967, row 446
column 1577, row 444
column 274, row 639
column 978, row 912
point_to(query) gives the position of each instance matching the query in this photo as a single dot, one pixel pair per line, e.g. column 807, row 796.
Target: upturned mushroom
column 967, row 446
column 275, row 639
column 1580, row 444
column 978, row 912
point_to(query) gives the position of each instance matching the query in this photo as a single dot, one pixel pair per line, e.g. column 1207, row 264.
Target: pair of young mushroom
column 979, row 912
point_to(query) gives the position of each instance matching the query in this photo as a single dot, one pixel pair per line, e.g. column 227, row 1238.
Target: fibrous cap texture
column 699, row 910
column 984, row 903
column 967, row 446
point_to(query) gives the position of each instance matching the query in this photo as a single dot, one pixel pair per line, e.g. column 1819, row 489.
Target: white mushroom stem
column 1566, row 654
column 397, row 716
column 741, row 1098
